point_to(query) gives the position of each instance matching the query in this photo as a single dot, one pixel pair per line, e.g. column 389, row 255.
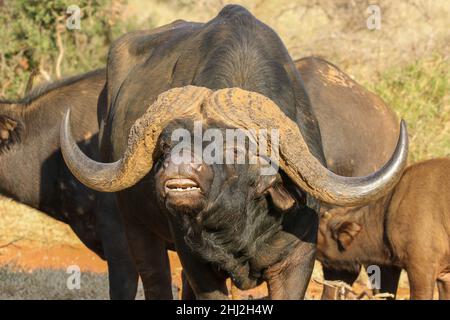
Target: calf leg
column 443, row 284
column 422, row 280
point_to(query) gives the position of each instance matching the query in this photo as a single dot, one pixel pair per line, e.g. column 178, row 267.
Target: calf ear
column 279, row 196
column 9, row 131
column 345, row 233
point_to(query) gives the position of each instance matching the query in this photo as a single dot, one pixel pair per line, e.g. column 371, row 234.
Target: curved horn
column 236, row 108
column 250, row 110
column 137, row 160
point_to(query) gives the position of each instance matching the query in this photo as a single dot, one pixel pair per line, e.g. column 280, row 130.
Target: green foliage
column 30, row 40
column 419, row 93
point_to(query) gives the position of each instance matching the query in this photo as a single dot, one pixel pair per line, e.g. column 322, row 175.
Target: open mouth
column 181, row 185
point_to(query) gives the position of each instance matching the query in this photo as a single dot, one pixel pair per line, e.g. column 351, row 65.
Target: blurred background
column 405, row 60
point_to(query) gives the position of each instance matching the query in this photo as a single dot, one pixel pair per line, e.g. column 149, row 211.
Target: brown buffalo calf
column 409, row 228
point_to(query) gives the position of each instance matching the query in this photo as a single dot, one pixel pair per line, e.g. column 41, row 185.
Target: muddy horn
column 250, row 110
column 239, row 109
column 137, row 160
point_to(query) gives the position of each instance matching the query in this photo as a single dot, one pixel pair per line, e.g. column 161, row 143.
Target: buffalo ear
column 9, row 131
column 279, row 196
column 345, row 233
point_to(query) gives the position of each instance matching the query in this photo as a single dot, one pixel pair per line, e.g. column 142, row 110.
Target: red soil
column 28, row 256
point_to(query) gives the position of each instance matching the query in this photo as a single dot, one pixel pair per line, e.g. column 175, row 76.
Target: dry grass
column 333, row 29
column 419, row 92
column 20, row 222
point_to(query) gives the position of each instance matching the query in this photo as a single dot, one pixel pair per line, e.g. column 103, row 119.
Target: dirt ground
column 31, row 258
column 36, row 251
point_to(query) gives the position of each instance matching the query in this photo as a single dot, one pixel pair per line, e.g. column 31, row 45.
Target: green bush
column 29, row 40
column 419, row 94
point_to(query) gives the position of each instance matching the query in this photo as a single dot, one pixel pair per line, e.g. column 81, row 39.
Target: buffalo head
column 217, row 202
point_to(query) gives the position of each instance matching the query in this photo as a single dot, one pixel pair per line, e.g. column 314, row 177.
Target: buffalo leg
column 187, row 293
column 148, row 250
column 123, row 277
column 203, row 280
column 151, row 260
column 289, row 279
column 153, row 266
column 330, row 274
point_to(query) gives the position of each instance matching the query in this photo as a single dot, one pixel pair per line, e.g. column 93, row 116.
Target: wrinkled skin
column 407, row 229
column 359, row 133
column 33, row 172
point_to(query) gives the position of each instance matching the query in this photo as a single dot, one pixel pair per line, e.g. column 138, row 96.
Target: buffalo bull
column 33, row 172
column 407, row 229
column 359, row 133
column 223, row 219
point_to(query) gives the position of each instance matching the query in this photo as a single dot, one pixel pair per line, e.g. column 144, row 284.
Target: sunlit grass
column 419, row 93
